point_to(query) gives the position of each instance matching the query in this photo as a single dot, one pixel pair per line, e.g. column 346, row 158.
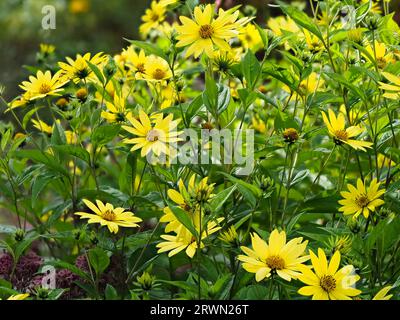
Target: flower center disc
column 275, row 263
column 158, row 74
column 153, row 135
column 206, row 31
column 44, row 88
column 341, row 135
column 362, row 201
column 109, row 215
column 328, row 283
column 140, row 67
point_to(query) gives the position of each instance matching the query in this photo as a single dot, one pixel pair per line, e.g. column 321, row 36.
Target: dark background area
column 81, row 26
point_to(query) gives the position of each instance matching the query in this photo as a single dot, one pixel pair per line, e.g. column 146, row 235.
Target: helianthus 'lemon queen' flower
column 116, row 111
column 383, row 294
column 392, row 91
column 205, row 32
column 156, row 69
column 42, row 126
column 277, row 256
column 78, row 69
column 107, row 215
column 340, row 134
column 326, row 282
column 153, row 17
column 43, row 85
column 380, row 54
column 361, row 199
column 153, row 134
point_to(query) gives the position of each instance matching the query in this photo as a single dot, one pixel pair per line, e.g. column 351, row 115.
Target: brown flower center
column 152, row 135
column 154, row 17
column 109, row 215
column 140, row 67
column 158, row 74
column 206, row 31
column 328, row 283
column 290, row 135
column 340, row 136
column 44, row 88
column 275, row 263
column 362, row 201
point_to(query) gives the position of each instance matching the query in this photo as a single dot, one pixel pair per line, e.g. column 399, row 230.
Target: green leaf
column 194, row 107
column 219, row 200
column 97, row 72
column 99, row 260
column 104, row 134
column 301, row 18
column 58, row 135
column 28, row 116
column 7, row 229
column 184, row 218
column 128, row 176
column 65, row 265
column 39, row 183
column 253, row 292
column 251, row 69
column 110, row 293
column 72, row 150
column 149, row 48
column 4, row 139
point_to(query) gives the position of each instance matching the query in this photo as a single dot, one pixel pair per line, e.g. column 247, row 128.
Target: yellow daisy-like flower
column 392, row 91
column 361, row 199
column 138, row 63
column 153, row 17
column 47, row 49
column 116, row 111
column 326, row 282
column 340, row 134
column 282, row 23
column 42, row 126
column 382, row 56
column 78, row 69
column 185, row 240
column 21, row 296
column 375, row 7
column 156, row 69
column 258, row 124
column 205, row 32
column 107, row 215
column 383, row 294
column 250, row 37
column 153, row 134
column 229, row 236
column 43, row 85
column 278, row 256
column 313, row 43
column 385, row 161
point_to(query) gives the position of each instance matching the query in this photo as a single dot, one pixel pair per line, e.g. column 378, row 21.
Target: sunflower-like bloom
column 153, row 17
column 326, row 282
column 276, row 257
column 205, row 32
column 392, row 91
column 250, row 37
column 184, row 239
column 116, row 111
column 43, row 85
column 380, row 54
column 78, row 69
column 361, row 199
column 385, row 161
column 281, row 24
column 107, row 215
column 153, row 134
column 156, row 69
column 340, row 134
column 383, row 294
column 42, row 126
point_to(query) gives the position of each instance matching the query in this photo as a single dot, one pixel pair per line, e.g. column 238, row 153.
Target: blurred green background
column 81, row 26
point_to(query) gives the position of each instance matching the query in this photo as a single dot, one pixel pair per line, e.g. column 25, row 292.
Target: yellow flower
column 21, row 296
column 43, row 85
column 116, row 111
column 361, row 199
column 229, row 236
column 392, row 91
column 42, row 126
column 107, row 215
column 185, row 240
column 384, row 161
column 205, row 32
column 71, row 137
column 326, row 282
column 79, row 6
column 224, row 60
column 153, row 135
column 307, row 86
column 250, row 37
column 78, row 69
column 156, row 69
column 258, row 124
column 47, row 49
column 138, row 62
column 336, row 128
column 375, row 8
column 312, row 41
column 277, row 256
column 152, row 18
column 282, row 23
column 383, row 294
column 20, row 101
column 382, row 56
